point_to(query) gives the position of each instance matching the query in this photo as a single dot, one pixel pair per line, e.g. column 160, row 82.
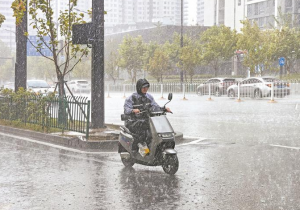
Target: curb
column 71, row 142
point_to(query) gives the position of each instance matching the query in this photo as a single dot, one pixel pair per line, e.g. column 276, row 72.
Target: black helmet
column 140, row 84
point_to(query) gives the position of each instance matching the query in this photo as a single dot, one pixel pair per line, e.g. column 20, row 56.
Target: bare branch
column 41, row 38
column 68, row 60
column 39, row 50
column 75, row 63
column 67, row 43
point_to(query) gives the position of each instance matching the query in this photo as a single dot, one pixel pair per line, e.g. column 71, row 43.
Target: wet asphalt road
column 247, row 158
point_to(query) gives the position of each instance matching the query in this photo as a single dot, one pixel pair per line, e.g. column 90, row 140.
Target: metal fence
column 208, row 88
column 72, row 114
column 155, row 87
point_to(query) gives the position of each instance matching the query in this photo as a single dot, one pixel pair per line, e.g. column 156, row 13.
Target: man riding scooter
column 134, row 106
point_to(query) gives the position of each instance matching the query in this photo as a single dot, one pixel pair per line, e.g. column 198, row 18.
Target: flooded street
column 246, row 157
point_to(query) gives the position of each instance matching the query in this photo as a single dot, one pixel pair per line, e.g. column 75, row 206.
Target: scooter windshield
column 162, row 125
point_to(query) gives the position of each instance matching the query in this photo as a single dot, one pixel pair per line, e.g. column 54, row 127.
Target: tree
column 159, row 64
column 174, row 48
column 2, row 19
column 149, row 53
column 131, row 56
column 59, row 33
column 189, row 58
column 112, row 65
column 286, row 39
column 43, row 22
column 258, row 45
column 218, row 44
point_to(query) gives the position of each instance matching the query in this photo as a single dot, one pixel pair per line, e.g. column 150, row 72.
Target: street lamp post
column 181, row 38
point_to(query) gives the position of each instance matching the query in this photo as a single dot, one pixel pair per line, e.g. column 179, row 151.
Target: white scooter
column 162, row 144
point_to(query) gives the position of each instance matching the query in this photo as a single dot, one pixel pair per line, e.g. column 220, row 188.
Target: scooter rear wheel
column 127, row 162
column 171, row 164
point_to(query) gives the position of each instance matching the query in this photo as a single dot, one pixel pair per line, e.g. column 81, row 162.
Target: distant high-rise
column 122, row 15
column 263, row 11
column 231, row 12
column 7, row 31
column 206, row 12
column 8, row 28
column 221, row 12
column 131, row 14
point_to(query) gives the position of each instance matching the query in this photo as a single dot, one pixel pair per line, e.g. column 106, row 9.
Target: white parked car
column 258, row 87
column 218, row 86
column 9, row 85
column 38, row 86
column 79, row 86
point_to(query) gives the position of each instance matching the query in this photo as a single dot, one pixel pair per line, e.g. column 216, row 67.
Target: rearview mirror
column 170, row 96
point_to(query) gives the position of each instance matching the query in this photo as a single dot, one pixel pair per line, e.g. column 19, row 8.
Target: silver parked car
column 218, row 86
column 258, row 87
column 79, row 86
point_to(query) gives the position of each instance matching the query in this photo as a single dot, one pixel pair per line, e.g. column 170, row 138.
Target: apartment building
column 221, row 12
column 263, row 11
column 124, row 15
column 8, row 29
column 206, row 12
column 231, row 12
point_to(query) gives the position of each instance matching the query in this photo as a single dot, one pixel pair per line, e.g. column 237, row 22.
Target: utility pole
column 181, row 39
column 97, row 92
column 21, row 53
column 92, row 34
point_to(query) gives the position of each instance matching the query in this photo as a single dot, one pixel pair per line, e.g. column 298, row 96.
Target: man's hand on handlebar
column 168, row 109
column 136, row 111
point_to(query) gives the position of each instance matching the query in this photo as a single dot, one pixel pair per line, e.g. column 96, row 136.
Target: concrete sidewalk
column 100, row 140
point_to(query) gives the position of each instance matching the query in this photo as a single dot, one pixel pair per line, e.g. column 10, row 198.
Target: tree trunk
column 215, row 71
column 62, row 115
column 134, row 77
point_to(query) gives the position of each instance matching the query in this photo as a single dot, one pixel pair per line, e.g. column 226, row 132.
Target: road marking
column 296, row 107
column 54, row 145
column 192, row 142
column 273, row 145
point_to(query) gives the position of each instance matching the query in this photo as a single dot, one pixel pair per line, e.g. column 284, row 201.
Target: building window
column 239, row 2
column 288, row 6
column 288, row 3
column 262, row 7
column 256, row 9
column 221, row 4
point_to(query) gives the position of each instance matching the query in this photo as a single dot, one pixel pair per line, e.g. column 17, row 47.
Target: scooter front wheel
column 127, row 162
column 171, row 164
